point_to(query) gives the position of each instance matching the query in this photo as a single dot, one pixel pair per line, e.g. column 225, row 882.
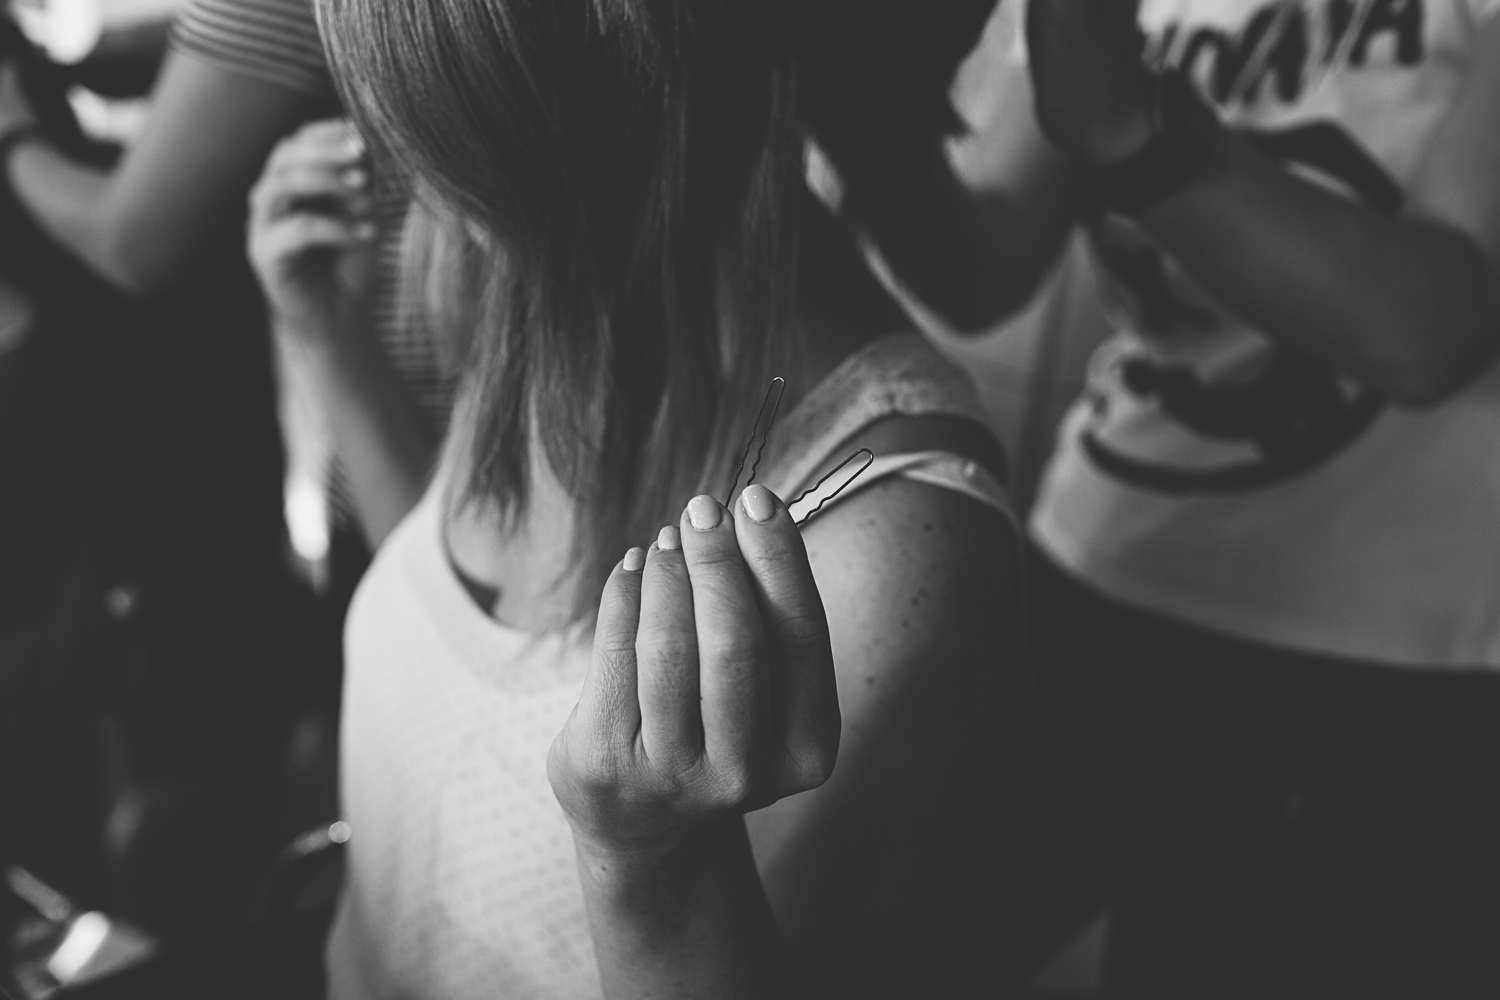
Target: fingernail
column 635, row 560
column 354, row 177
column 703, row 512
column 759, row 503
column 670, row 540
column 364, row 231
column 355, row 145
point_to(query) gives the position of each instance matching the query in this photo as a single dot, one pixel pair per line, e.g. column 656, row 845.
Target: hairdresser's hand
column 711, row 691
column 312, row 232
column 1090, row 83
column 15, row 110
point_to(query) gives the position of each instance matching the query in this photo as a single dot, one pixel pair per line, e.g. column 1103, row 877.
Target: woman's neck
column 512, row 569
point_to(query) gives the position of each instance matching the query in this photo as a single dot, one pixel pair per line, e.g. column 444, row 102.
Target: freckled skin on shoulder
column 906, row 567
column 921, row 587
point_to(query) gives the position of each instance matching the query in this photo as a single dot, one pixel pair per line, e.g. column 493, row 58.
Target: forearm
column 69, row 201
column 180, row 187
column 383, row 443
column 693, row 924
column 1401, row 303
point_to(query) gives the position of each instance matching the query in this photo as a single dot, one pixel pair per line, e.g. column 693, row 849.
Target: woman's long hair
column 630, row 166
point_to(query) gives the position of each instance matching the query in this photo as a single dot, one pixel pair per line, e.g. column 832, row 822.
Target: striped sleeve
column 271, row 40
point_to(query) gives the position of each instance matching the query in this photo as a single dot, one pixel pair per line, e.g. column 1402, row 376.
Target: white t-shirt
column 1216, row 477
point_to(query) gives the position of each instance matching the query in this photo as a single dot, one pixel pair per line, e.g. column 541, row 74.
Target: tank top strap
column 943, row 469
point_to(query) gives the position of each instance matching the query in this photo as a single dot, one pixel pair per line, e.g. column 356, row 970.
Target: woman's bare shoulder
column 903, row 565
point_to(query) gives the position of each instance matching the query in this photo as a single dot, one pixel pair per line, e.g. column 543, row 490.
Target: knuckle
column 613, row 657
column 591, row 761
column 667, row 564
column 315, row 129
column 808, row 764
column 736, row 651
column 719, row 554
column 782, row 555
column 283, row 151
column 809, row 774
column 732, row 786
column 676, row 772
column 657, row 643
column 802, row 634
column 571, row 768
column 615, row 647
column 285, row 181
column 261, row 194
column 601, row 773
column 781, row 566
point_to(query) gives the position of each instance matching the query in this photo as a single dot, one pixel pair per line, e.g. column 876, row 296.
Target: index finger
column 805, row 691
column 731, row 642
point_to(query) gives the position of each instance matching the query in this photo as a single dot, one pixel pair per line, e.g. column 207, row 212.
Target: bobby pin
column 869, row 457
column 778, row 386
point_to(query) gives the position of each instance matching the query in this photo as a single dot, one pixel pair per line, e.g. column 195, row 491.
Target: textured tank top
column 462, row 879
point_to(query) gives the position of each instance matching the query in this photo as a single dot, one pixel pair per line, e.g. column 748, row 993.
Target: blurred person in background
column 240, row 76
column 1264, row 575
column 144, row 627
column 154, row 656
column 619, row 190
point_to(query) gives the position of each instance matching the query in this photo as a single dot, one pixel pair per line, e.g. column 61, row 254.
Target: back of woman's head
column 629, row 162
column 635, row 167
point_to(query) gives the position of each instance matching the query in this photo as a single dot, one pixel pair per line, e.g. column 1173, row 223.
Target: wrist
column 323, row 331
column 637, row 874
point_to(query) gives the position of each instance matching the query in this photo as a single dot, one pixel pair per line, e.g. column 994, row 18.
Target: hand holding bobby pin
column 711, row 691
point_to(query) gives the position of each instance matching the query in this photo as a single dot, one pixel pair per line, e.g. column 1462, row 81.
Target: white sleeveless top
column 1211, row 475
column 462, row 878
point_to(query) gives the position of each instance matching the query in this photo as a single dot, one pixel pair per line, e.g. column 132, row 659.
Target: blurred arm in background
column 179, row 188
column 239, row 76
column 1407, row 302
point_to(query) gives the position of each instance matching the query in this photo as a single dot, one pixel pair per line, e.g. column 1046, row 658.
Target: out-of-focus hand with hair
column 312, row 242
column 711, row 693
column 311, row 233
